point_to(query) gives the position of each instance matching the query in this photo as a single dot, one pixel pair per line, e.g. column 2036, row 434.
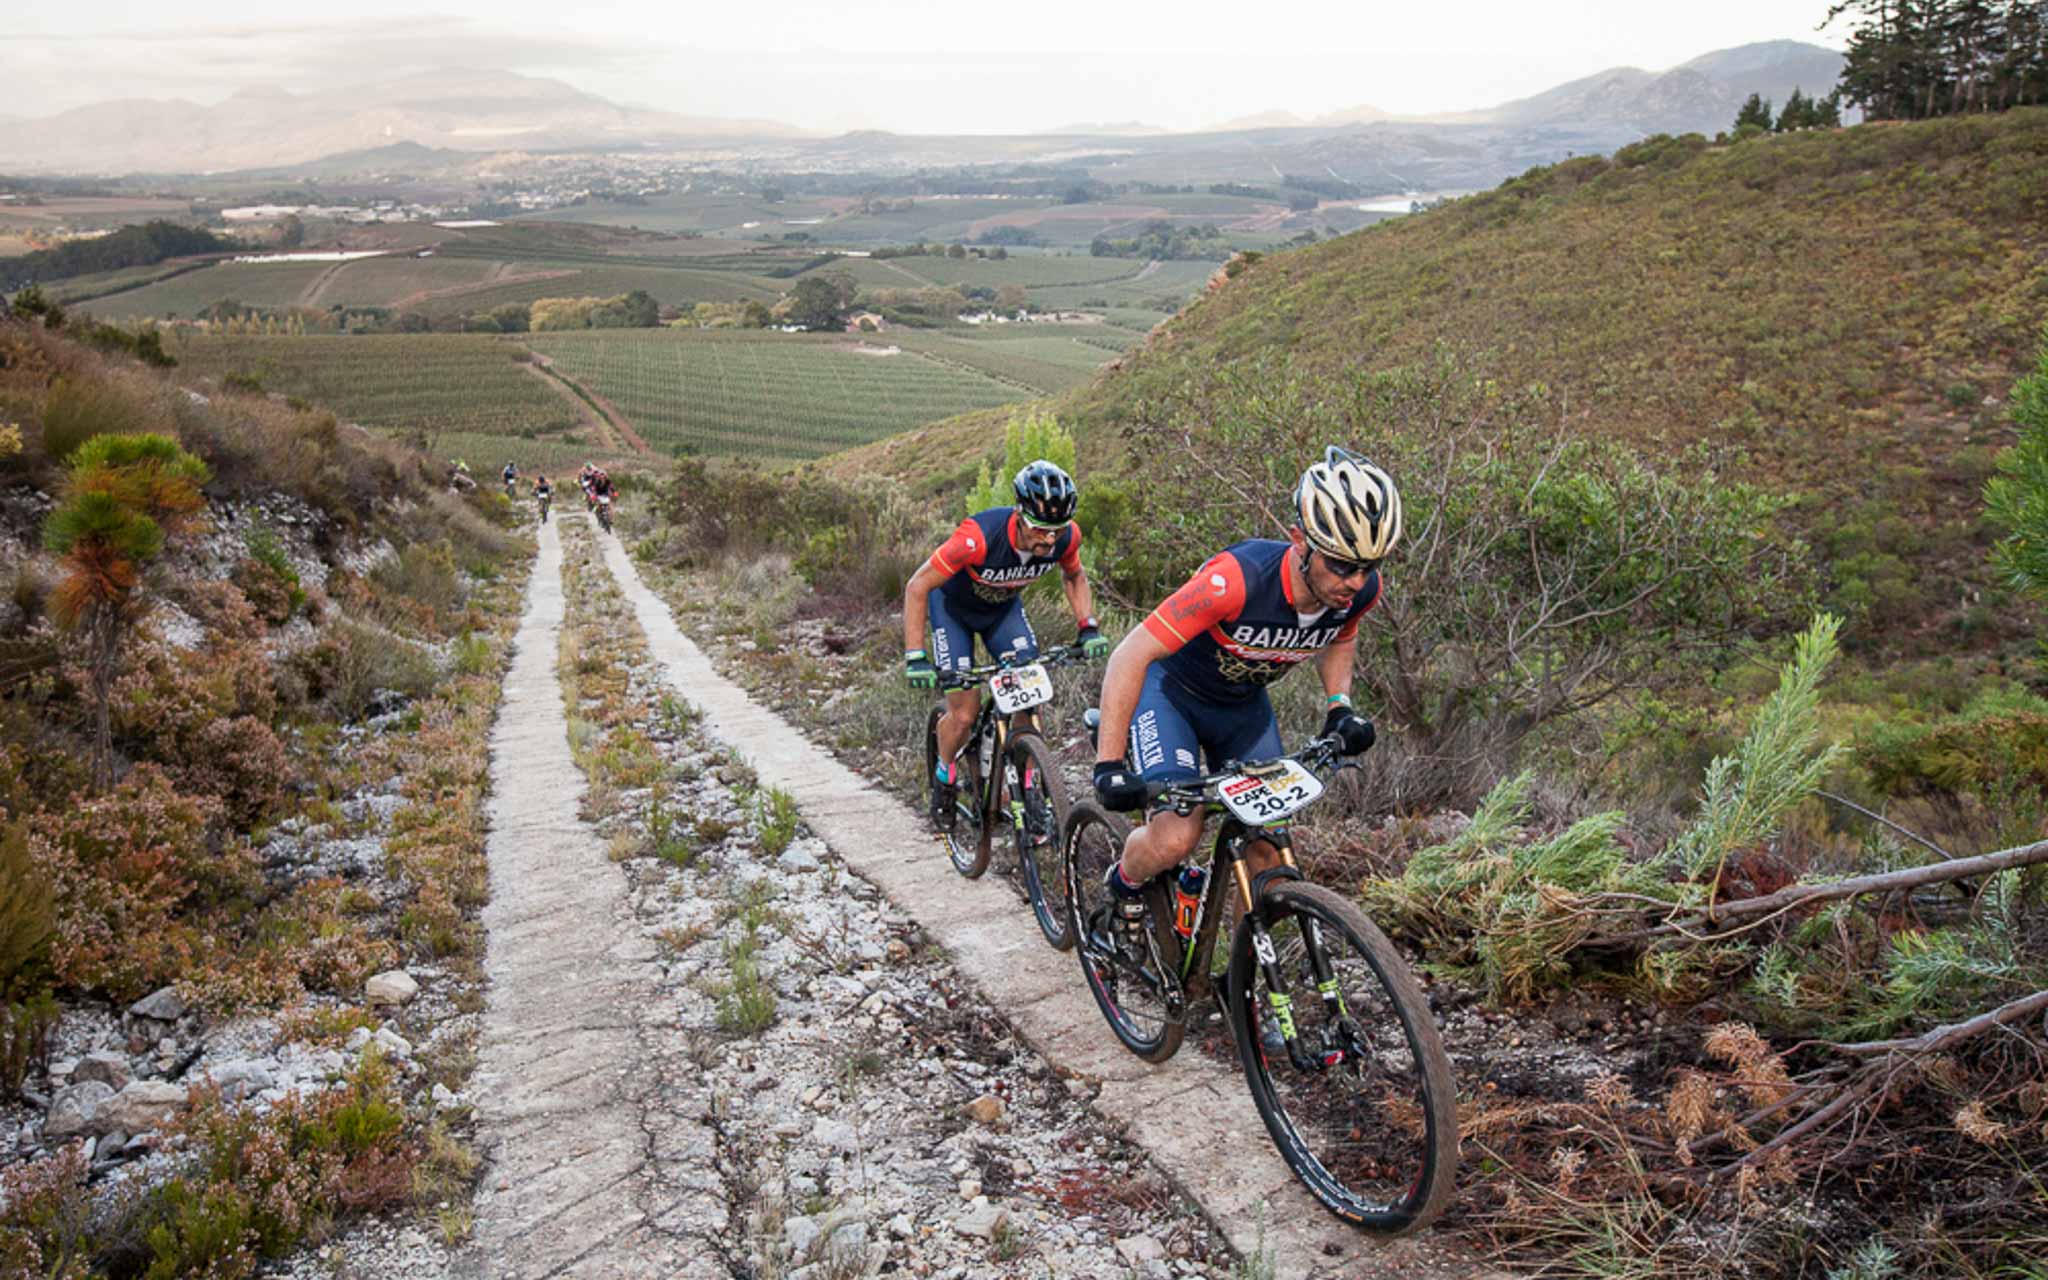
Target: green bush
column 1999, row 740
column 424, row 572
column 25, row 1029
column 28, row 915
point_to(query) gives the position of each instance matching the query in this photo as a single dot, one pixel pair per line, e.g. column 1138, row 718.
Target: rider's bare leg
column 961, row 707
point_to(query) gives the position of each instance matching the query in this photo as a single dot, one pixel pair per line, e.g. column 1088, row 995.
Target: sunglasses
column 1348, row 568
column 1047, row 528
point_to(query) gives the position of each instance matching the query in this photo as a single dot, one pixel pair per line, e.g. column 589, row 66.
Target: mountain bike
column 545, row 498
column 603, row 505
column 1026, row 793
column 1335, row 1037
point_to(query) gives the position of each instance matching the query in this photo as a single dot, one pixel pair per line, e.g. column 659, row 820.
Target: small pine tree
column 1028, row 438
column 1756, row 111
column 122, row 492
column 2017, row 497
column 1827, row 112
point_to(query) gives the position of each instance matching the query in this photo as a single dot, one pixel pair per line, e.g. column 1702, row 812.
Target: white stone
column 241, row 1078
column 982, row 1221
column 902, row 1227
column 143, row 1105
column 164, row 1004
column 75, row 1109
column 1135, row 1250
column 395, row 987
column 392, row 1043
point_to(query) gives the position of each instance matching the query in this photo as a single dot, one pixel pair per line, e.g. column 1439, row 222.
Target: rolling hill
column 1847, row 307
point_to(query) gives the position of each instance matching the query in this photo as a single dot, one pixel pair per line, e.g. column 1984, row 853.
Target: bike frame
column 1003, row 727
column 1228, row 861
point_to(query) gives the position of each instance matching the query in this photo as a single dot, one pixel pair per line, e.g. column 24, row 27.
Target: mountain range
column 465, row 110
column 483, row 112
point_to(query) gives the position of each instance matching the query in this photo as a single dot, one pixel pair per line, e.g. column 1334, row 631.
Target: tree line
column 1916, row 59
column 142, row 246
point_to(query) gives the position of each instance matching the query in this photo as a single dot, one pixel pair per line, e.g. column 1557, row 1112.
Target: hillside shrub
column 2017, row 498
column 77, row 409
column 28, row 913
column 1998, row 740
column 858, row 542
column 353, row 662
column 129, row 870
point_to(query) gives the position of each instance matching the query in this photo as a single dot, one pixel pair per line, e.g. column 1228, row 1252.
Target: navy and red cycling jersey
column 987, row 572
column 1233, row 628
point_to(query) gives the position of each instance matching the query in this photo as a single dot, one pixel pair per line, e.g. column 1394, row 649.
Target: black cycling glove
column 1117, row 787
column 1353, row 731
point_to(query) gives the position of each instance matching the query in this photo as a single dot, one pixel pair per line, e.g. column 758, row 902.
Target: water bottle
column 1187, row 898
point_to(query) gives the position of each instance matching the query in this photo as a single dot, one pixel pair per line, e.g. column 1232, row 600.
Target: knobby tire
column 1375, row 1137
column 1042, row 795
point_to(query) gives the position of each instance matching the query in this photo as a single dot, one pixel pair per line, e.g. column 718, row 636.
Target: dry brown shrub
column 1975, row 1123
column 1760, row 1071
column 1610, row 1089
column 1691, row 1111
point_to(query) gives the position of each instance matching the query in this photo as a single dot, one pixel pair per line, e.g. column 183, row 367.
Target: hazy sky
column 908, row 65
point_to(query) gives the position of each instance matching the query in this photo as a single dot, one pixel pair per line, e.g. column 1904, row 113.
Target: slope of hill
column 1847, row 307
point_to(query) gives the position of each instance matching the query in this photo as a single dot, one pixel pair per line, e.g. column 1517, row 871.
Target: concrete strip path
column 1194, row 1116
column 563, row 1095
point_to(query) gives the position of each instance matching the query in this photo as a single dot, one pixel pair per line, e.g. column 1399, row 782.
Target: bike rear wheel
column 1139, row 994
column 1038, row 813
column 964, row 845
column 1367, row 1117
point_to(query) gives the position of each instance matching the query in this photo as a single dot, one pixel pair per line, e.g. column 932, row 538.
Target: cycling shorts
column 1007, row 631
column 1171, row 723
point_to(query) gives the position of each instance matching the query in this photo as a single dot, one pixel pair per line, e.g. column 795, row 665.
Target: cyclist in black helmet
column 973, row 586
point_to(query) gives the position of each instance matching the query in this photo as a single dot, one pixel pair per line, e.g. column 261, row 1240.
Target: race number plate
column 1264, row 798
column 1021, row 688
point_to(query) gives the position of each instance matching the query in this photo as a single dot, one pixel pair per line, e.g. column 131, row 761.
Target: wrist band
column 1088, row 623
column 908, row 654
column 1339, row 700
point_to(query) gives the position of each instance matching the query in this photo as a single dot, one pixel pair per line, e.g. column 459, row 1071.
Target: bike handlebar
column 973, row 676
column 1188, row 794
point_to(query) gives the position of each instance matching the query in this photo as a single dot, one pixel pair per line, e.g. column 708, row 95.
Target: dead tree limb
column 1708, row 922
column 1892, row 1056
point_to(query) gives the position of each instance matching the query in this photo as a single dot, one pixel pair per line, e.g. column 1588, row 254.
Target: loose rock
column 395, row 987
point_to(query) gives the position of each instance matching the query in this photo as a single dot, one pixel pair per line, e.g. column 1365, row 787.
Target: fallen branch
column 1891, row 1057
column 1706, row 923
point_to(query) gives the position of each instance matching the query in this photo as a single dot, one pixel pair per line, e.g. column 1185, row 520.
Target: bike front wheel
column 1038, row 813
column 1135, row 982
column 1351, row 1078
column 964, row 845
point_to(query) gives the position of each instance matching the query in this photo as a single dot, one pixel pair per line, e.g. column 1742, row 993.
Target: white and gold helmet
column 1348, row 508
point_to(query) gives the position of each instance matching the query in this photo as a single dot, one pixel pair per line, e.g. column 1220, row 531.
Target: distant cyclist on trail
column 973, row 585
column 1193, row 677
column 511, row 477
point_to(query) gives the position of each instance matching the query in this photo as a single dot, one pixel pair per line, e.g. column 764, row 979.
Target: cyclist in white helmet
column 1193, row 678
